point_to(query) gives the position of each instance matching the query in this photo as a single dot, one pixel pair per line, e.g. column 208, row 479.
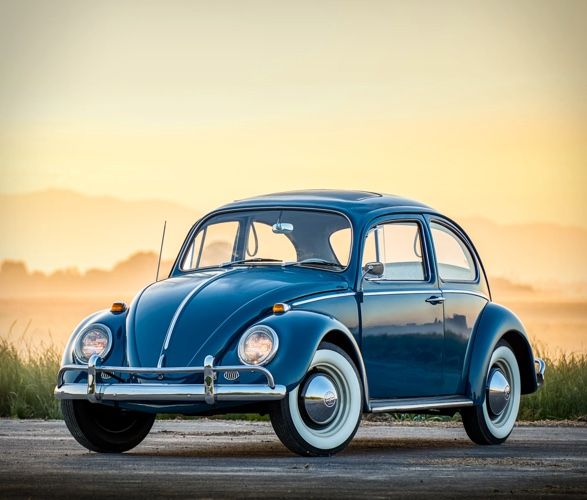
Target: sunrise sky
column 477, row 108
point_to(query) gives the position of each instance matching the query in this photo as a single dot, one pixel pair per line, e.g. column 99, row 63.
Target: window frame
column 464, row 240
column 429, row 276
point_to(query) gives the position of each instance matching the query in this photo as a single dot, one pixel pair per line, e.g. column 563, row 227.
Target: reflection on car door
column 402, row 313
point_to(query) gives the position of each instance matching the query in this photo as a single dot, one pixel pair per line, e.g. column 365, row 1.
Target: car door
column 401, row 312
column 466, row 293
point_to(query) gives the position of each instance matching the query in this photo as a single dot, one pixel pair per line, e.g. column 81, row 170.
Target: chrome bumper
column 208, row 391
column 540, row 367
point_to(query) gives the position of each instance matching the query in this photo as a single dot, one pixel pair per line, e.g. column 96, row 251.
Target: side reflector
column 118, row 307
column 280, row 307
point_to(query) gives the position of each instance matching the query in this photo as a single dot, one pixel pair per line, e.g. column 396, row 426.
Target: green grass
column 27, row 382
column 564, row 394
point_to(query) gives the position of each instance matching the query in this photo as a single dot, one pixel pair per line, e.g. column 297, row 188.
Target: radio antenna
column 161, row 251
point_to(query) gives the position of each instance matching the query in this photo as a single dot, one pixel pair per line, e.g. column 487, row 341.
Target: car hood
column 180, row 320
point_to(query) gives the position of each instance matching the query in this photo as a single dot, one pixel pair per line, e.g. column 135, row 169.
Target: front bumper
column 209, row 391
column 539, row 367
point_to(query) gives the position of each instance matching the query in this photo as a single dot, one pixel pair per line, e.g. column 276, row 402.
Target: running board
column 407, row 405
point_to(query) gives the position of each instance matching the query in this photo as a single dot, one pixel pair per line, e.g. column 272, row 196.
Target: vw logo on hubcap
column 319, row 398
column 330, row 399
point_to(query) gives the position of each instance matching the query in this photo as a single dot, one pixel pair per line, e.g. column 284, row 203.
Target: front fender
column 116, row 322
column 496, row 323
column 300, row 333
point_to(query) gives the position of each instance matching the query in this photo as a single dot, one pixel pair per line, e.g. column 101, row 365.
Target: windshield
column 278, row 237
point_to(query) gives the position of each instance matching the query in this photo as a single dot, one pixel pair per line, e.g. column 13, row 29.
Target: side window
column 398, row 245
column 212, row 245
column 455, row 262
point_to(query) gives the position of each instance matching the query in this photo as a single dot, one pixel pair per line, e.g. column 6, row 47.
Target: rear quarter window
column 453, row 258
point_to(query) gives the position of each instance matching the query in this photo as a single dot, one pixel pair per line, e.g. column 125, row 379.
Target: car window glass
column 214, row 244
column 310, row 238
column 398, row 245
column 455, row 262
column 340, row 241
column 263, row 241
column 401, row 251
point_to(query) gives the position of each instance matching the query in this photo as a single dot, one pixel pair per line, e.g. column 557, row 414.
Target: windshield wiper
column 248, row 261
column 315, row 262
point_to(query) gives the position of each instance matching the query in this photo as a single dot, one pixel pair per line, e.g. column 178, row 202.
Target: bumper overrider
column 539, row 367
column 209, row 391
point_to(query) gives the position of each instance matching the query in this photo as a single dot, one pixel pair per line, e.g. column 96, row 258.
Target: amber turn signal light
column 280, row 307
column 118, row 307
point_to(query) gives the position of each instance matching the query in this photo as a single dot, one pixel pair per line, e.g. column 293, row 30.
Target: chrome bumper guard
column 208, row 392
column 540, row 367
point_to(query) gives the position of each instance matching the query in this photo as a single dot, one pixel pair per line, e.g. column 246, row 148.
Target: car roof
column 355, row 204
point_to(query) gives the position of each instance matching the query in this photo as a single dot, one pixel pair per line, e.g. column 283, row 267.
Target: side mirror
column 376, row 269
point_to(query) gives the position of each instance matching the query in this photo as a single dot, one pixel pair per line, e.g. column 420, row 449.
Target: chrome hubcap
column 498, row 391
column 320, row 398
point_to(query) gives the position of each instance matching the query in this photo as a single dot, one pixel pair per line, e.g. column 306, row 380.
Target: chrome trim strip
column 403, row 292
column 390, row 292
column 468, row 292
column 182, row 306
column 416, row 404
column 323, row 297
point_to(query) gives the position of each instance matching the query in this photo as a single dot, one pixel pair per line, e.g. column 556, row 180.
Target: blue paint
column 408, row 347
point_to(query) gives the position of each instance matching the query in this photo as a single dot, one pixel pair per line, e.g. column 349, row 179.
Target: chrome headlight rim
column 77, row 353
column 267, row 330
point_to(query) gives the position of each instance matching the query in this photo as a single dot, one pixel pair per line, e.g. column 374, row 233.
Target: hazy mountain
column 544, row 254
column 123, row 280
column 59, row 229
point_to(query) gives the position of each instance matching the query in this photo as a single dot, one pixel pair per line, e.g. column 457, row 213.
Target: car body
column 314, row 307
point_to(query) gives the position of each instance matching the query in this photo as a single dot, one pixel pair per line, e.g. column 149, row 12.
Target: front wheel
column 105, row 429
column 322, row 414
column 493, row 421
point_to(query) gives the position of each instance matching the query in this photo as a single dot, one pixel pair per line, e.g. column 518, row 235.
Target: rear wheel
column 105, row 429
column 322, row 414
column 493, row 421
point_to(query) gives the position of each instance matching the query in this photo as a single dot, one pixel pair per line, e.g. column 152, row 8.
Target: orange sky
column 475, row 108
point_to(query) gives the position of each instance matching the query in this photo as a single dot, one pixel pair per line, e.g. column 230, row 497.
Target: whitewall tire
column 493, row 421
column 322, row 414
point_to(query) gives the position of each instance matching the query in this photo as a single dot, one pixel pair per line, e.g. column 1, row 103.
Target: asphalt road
column 222, row 459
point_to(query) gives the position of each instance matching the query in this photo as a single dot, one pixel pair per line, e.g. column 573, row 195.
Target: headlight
column 258, row 345
column 94, row 339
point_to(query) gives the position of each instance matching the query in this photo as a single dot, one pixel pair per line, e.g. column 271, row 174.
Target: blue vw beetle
column 313, row 307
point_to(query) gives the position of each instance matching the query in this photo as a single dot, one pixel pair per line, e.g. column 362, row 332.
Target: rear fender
column 496, row 323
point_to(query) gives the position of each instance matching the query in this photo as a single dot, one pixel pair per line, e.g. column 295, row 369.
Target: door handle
column 435, row 299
